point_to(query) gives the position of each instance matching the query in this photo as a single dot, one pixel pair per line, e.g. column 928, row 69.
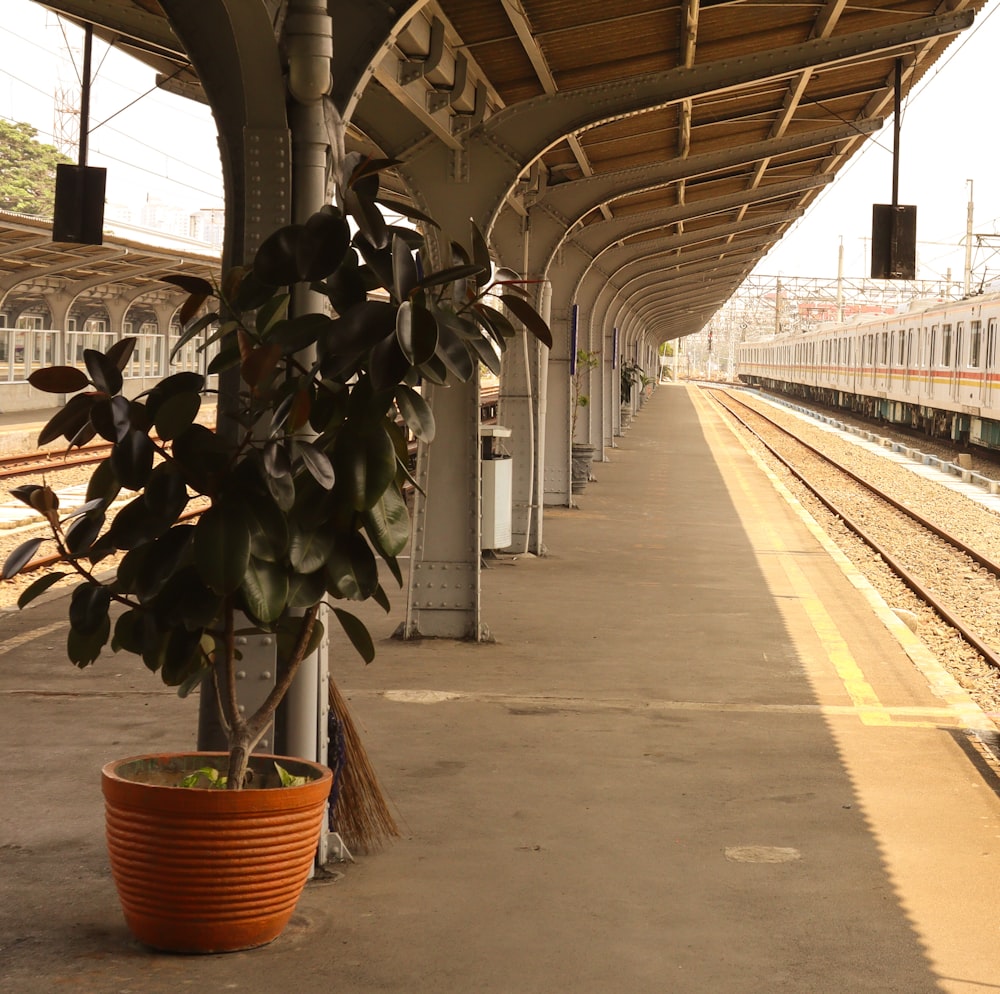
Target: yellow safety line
column 870, row 709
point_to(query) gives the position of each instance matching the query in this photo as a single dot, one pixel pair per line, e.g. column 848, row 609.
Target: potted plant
column 300, row 493
column 582, row 452
column 631, row 374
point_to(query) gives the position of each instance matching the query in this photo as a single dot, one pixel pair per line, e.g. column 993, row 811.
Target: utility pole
column 968, row 242
column 840, row 282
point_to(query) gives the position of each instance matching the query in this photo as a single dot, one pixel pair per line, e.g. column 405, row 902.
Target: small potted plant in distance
column 582, row 452
column 300, row 492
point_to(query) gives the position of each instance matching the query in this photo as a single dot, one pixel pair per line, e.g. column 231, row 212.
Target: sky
column 948, row 135
column 160, row 146
column 152, row 144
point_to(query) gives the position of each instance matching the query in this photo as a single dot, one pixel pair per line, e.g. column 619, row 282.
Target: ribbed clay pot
column 205, row 870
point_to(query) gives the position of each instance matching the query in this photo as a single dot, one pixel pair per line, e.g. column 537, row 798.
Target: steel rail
column 42, row 461
column 943, row 609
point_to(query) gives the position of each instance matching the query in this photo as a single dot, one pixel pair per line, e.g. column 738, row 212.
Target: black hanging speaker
column 79, row 207
column 894, row 242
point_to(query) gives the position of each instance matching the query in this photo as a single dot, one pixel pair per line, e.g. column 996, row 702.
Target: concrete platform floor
column 700, row 757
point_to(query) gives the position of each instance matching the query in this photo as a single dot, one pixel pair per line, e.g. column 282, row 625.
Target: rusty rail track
column 943, row 609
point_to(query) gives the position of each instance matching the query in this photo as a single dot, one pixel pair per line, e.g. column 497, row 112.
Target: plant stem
column 244, row 734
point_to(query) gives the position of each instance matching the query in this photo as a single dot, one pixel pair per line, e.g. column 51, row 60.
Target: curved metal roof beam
column 362, row 42
column 598, row 296
column 598, row 237
column 501, row 148
column 615, row 232
column 572, row 201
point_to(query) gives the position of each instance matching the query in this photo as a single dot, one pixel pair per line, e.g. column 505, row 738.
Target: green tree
column 27, row 170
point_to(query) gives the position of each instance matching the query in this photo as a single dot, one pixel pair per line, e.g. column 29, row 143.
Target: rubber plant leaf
column 222, row 548
column 176, row 414
column 268, row 527
column 416, row 413
column 88, row 608
column 25, row 492
column 481, row 256
column 265, row 590
column 191, row 331
column 529, row 317
column 276, row 261
column 317, row 462
column 309, row 548
column 488, row 355
column 404, row 269
column 189, row 284
column 365, row 464
column 360, row 328
column 111, row 419
column 82, row 534
column 132, row 460
column 416, row 332
column 38, row 588
column 59, row 379
column 106, row 376
column 388, row 522
column 305, row 589
column 356, row 631
column 121, row 352
column 452, row 351
column 20, row 558
column 322, row 245
column 450, row 275
column 103, row 485
column 83, row 649
column 406, row 210
column 70, row 421
column 351, row 570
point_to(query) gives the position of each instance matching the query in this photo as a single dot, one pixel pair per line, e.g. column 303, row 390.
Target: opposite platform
column 695, row 760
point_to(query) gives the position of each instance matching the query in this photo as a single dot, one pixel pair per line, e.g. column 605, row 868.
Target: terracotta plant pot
column 204, row 869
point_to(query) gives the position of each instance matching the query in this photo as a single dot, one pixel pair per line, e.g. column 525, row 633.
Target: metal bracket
column 437, row 99
column 414, row 69
column 461, row 123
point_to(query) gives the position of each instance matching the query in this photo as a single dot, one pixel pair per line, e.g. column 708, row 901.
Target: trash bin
column 497, row 489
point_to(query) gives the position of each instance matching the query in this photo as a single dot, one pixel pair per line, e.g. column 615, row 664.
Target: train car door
column 907, row 361
column 929, row 357
column 957, row 359
column 989, row 364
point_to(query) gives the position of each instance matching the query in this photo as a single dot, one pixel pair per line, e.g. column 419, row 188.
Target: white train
column 934, row 367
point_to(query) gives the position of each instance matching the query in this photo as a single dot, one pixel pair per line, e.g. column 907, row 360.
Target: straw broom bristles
column 360, row 814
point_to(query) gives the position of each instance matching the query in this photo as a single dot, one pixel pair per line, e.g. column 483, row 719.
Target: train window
column 902, row 347
column 885, row 347
column 991, row 343
column 933, row 345
column 975, row 343
column 946, row 345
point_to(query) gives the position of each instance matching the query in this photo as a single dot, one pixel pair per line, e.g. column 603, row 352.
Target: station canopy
column 730, row 116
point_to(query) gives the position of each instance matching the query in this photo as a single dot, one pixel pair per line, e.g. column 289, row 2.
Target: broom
column 359, row 813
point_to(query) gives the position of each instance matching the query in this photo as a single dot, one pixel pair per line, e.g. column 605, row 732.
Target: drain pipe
column 309, row 47
column 532, row 505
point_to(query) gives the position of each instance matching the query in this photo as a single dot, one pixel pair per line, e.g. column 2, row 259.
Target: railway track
column 49, row 461
column 957, row 580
